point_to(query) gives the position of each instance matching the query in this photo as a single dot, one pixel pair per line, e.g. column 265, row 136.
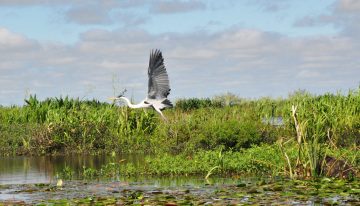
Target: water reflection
column 274, row 121
column 26, row 170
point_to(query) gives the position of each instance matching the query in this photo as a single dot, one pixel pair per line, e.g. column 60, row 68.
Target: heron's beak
column 113, row 98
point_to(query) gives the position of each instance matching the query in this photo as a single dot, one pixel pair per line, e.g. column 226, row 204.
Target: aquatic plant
column 261, row 191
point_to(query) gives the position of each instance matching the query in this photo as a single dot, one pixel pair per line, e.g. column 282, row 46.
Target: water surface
column 44, row 169
column 31, row 180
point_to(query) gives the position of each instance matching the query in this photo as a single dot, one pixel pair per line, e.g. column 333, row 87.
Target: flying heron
column 158, row 86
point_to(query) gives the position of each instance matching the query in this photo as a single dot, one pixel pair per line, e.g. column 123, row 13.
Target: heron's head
column 122, row 93
column 119, row 96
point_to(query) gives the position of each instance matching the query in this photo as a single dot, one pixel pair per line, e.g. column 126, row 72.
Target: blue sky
column 48, row 23
column 252, row 48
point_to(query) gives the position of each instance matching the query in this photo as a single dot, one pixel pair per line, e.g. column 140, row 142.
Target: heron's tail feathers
column 167, row 103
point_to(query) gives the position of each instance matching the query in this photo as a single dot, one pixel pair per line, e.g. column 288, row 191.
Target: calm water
column 31, row 170
column 19, row 175
column 28, row 170
column 274, row 121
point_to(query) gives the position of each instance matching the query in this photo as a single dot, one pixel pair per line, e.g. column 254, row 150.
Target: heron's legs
column 159, row 111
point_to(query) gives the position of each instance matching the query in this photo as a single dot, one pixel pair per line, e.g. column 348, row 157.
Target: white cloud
column 176, row 6
column 88, row 15
column 308, row 74
column 348, row 5
column 248, row 62
column 10, row 41
column 271, row 6
column 344, row 15
column 262, row 63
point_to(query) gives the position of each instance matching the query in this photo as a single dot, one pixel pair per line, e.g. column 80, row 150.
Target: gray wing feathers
column 158, row 78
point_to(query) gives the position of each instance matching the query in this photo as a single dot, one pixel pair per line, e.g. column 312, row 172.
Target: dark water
column 274, row 121
column 30, row 170
column 20, row 178
column 35, row 170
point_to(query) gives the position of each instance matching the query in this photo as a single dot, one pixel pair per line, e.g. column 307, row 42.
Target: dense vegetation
column 292, row 136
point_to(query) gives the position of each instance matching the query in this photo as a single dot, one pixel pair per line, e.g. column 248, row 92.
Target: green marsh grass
column 67, row 125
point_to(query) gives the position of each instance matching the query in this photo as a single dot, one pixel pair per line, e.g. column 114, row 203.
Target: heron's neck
column 129, row 103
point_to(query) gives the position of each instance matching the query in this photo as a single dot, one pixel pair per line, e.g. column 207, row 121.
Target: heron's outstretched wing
column 159, row 87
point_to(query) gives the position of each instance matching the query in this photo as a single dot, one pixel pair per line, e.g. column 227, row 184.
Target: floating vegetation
column 247, row 191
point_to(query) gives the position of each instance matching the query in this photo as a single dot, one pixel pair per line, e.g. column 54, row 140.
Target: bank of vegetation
column 301, row 135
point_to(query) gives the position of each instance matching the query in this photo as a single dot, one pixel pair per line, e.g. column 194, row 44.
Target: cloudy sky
column 252, row 48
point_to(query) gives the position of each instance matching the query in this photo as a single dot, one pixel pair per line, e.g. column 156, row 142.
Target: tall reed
column 70, row 124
